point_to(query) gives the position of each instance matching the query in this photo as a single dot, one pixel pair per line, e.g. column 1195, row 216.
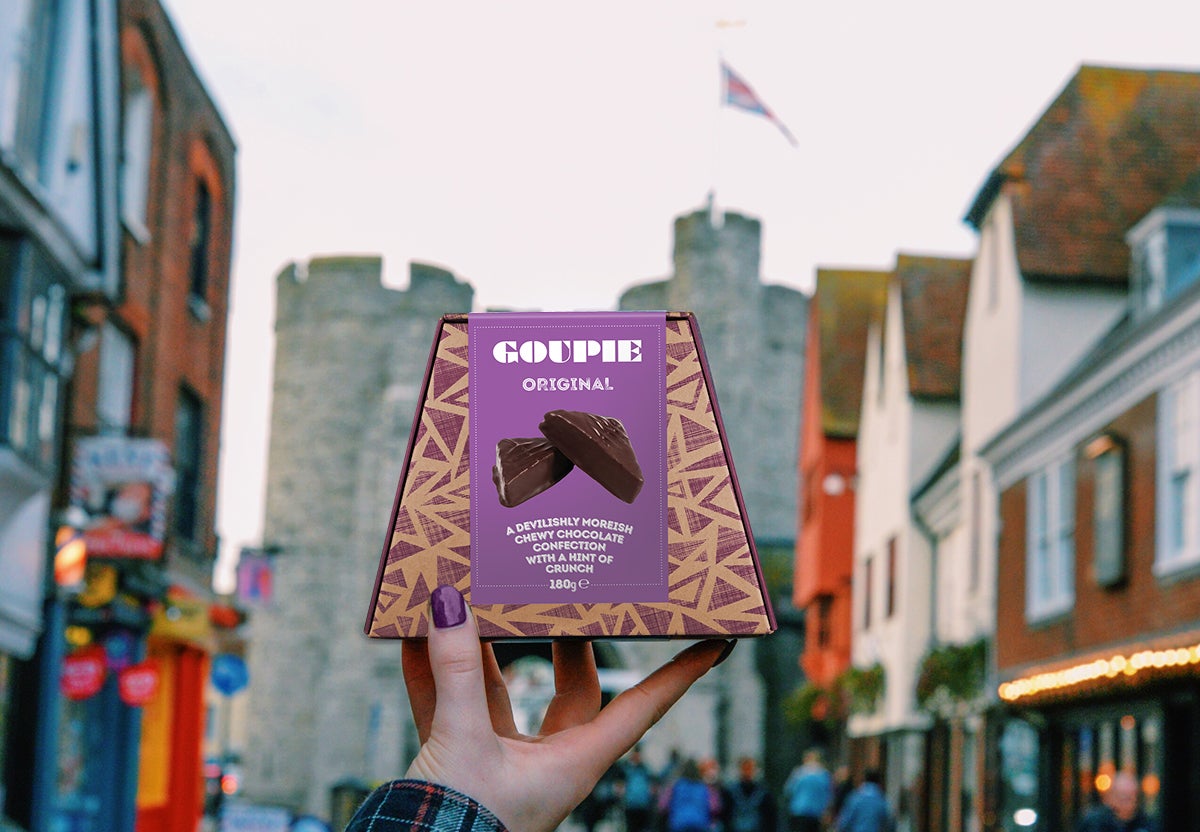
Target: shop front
column 170, row 788
column 1068, row 732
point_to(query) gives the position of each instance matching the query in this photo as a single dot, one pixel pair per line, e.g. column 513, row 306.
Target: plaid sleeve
column 403, row 805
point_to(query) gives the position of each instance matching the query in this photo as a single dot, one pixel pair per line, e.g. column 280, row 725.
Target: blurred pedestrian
column 718, row 795
column 671, row 767
column 1118, row 810
column 867, row 808
column 843, row 784
column 637, row 792
column 751, row 804
column 808, row 793
column 686, row 804
column 599, row 802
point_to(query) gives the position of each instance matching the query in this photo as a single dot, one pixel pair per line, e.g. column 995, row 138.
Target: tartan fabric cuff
column 403, row 805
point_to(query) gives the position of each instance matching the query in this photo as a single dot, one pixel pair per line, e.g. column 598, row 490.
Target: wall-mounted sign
column 229, row 673
column 82, row 673
column 255, row 578
column 138, row 684
column 123, row 486
column 183, row 619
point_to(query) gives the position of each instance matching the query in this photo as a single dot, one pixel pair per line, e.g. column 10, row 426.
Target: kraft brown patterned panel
column 716, row 586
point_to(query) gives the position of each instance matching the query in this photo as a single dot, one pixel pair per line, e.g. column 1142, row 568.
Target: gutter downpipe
column 932, row 539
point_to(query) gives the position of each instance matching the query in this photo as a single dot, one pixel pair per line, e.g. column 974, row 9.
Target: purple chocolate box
column 569, row 473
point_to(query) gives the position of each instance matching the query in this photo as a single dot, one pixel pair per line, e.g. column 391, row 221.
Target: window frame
column 824, row 609
column 868, row 590
column 1050, row 539
column 33, row 352
column 25, row 104
column 199, row 247
column 1150, row 270
column 113, row 339
column 189, row 467
column 1177, row 527
column 890, row 596
column 137, row 146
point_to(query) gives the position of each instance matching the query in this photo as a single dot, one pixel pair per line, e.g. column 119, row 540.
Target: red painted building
column 842, row 309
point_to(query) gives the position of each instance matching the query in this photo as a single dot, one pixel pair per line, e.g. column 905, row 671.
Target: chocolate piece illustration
column 599, row 446
column 525, row 468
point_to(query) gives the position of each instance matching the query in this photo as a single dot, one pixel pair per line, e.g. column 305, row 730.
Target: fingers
column 499, row 706
column 624, row 720
column 418, row 679
column 457, row 664
column 576, row 687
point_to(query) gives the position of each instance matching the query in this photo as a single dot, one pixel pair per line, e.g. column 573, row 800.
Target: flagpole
column 714, row 218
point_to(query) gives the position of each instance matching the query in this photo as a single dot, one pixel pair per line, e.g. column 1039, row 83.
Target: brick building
column 1085, row 441
column 136, row 468
column 1099, row 611
column 59, row 143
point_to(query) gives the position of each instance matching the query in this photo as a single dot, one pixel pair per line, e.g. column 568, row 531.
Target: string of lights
column 1111, row 668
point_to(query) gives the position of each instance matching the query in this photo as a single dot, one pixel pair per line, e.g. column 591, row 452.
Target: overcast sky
column 541, row 149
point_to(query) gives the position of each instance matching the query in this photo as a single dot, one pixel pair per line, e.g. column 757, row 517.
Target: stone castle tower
column 754, row 335
column 326, row 704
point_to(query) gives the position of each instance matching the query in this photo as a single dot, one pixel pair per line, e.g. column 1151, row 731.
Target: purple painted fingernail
column 449, row 608
column 725, row 653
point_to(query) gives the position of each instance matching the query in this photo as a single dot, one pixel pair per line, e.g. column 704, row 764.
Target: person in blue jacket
column 867, row 808
column 808, row 793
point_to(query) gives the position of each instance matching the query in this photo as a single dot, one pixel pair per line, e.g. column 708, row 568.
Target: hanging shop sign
column 99, row 586
column 255, row 577
column 137, row 684
column 122, row 485
column 184, row 619
column 82, row 673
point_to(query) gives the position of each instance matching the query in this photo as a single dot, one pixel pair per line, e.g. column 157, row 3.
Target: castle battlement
column 337, row 287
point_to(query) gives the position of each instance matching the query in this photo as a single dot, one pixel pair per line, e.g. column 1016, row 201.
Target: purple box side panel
column 412, row 439
column 737, row 489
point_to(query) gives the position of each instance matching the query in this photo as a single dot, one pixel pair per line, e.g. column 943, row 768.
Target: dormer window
column 1149, row 276
column 1165, row 256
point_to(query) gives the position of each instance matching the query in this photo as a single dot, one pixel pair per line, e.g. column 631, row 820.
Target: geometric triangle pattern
column 715, row 584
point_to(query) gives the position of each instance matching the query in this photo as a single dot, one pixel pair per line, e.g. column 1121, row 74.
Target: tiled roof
column 848, row 302
column 1111, row 146
column 933, row 292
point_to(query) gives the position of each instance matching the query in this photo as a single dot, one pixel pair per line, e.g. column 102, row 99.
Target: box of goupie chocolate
column 569, row 473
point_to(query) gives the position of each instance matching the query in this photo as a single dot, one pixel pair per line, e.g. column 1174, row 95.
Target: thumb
column 457, row 665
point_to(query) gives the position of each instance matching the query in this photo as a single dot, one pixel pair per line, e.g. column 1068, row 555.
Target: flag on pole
column 738, row 93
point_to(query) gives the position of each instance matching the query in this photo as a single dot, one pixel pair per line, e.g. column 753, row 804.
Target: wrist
column 416, row 803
